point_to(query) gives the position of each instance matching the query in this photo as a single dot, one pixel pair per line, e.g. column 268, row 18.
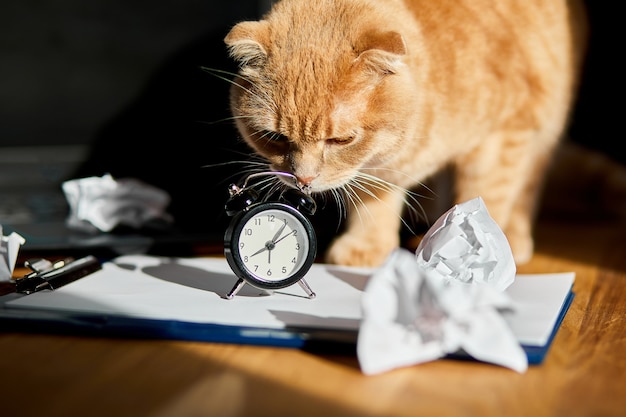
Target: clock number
column 257, row 221
column 284, row 270
column 245, row 258
column 248, row 232
column 241, row 245
column 269, row 273
column 297, row 246
column 271, row 218
column 293, row 260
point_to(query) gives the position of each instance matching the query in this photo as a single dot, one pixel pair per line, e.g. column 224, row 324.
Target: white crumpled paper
column 103, row 203
column 465, row 244
column 9, row 249
column 444, row 299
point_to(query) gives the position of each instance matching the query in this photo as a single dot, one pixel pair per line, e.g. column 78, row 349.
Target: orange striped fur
column 372, row 97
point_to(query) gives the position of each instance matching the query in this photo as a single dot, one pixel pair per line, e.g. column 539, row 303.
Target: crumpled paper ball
column 9, row 249
column 446, row 298
column 103, row 203
column 465, row 244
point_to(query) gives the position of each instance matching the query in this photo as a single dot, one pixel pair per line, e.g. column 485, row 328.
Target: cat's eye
column 340, row 141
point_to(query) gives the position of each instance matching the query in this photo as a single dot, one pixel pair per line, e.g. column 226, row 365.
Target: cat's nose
column 304, row 181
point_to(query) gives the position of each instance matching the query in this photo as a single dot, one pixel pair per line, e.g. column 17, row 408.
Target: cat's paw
column 358, row 251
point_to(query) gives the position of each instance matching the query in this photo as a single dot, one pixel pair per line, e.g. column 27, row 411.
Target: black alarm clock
column 269, row 244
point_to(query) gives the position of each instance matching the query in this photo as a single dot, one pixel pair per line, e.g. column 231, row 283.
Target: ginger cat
column 366, row 99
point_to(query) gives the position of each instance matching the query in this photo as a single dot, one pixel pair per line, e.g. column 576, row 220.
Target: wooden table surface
column 584, row 373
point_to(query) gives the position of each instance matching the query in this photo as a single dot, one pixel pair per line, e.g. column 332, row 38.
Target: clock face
column 273, row 244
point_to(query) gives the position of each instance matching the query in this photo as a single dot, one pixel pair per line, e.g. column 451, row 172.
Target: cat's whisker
column 218, row 73
column 341, row 203
column 215, row 71
column 263, row 99
column 413, row 180
column 356, row 200
column 369, row 183
column 219, row 164
column 226, row 119
column 410, row 197
column 264, row 135
column 250, row 167
column 267, row 133
column 267, row 184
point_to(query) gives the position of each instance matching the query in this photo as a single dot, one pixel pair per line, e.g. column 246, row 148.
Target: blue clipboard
column 294, row 335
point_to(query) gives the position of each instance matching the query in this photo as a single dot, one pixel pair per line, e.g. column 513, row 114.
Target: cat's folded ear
column 246, row 42
column 381, row 52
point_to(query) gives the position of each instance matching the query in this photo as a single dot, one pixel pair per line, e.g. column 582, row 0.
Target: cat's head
column 320, row 96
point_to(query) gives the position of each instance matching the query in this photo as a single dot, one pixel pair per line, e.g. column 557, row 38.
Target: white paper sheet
column 191, row 290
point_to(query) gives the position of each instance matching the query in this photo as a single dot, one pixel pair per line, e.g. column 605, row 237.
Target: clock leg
column 306, row 288
column 235, row 289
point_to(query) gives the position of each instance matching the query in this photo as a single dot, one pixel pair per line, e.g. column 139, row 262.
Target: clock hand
column 264, row 248
column 270, row 244
column 279, row 232
column 290, row 233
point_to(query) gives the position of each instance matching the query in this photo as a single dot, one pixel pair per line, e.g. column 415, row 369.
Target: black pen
column 48, row 276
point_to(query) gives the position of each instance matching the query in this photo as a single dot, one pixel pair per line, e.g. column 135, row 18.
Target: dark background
column 68, row 66
column 123, row 79
column 117, row 87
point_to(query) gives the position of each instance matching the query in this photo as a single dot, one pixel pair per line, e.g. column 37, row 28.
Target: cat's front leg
column 372, row 233
column 509, row 182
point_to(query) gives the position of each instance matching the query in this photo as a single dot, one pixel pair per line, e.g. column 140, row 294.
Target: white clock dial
column 273, row 245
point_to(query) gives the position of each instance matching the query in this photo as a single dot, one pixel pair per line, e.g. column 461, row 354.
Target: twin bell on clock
column 269, row 244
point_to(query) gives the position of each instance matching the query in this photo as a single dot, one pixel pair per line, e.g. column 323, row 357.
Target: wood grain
column 584, row 373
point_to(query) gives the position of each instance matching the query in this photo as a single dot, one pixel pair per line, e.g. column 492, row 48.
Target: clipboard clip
column 47, row 275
